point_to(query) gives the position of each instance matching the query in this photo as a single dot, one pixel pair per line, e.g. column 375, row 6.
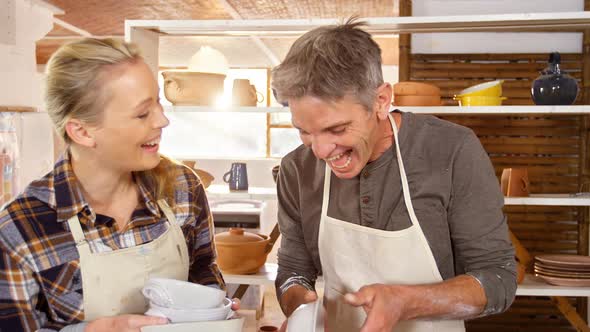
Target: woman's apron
column 112, row 281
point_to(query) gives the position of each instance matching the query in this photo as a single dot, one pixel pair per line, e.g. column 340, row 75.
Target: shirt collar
column 70, row 201
column 147, row 195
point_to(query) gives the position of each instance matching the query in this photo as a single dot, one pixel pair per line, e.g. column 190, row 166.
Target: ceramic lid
column 208, row 60
column 237, row 235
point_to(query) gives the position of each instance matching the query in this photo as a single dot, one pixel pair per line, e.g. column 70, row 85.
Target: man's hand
column 296, row 296
column 123, row 323
column 293, row 298
column 384, row 305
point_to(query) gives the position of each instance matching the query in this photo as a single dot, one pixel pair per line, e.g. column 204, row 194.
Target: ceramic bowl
column 487, row 89
column 173, row 293
column 192, row 88
column 240, row 252
column 228, row 325
column 416, row 100
column 479, row 100
column 306, row 317
column 409, row 88
column 176, row 315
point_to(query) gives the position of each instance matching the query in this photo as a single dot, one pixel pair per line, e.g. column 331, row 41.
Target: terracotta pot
column 415, row 88
column 240, row 252
column 192, row 88
column 515, row 182
column 416, row 100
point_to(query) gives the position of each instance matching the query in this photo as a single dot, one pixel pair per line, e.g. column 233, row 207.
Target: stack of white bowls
column 182, row 301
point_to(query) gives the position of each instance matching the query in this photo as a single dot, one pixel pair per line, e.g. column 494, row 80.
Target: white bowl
column 307, row 318
column 191, row 315
column 229, row 325
column 173, row 293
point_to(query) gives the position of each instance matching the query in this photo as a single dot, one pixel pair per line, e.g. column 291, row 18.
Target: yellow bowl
column 487, row 89
column 479, row 100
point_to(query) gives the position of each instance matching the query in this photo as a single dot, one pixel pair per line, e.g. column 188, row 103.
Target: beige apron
column 353, row 256
column 112, row 281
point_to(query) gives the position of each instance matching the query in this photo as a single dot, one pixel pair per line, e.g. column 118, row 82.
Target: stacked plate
column 182, row 301
column 564, row 270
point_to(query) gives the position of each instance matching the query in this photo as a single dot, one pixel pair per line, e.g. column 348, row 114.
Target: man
column 407, row 228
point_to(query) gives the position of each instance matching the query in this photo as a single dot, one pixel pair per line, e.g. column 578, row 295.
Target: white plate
column 230, row 325
column 191, row 315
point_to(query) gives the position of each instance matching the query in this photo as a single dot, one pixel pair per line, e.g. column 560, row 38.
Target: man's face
column 343, row 133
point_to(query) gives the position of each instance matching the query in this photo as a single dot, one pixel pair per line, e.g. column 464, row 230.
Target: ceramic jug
column 245, row 94
column 515, row 182
column 554, row 87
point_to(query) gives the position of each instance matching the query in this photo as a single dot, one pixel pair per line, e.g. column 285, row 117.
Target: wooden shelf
column 550, row 199
column 17, row 109
column 266, row 193
column 531, row 286
column 218, row 191
column 440, row 110
column 482, row 110
column 535, row 286
column 575, row 21
column 232, row 109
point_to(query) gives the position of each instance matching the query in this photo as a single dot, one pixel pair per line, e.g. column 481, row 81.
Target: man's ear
column 80, row 133
column 383, row 100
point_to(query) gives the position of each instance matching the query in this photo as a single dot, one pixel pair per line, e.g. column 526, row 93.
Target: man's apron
column 353, row 256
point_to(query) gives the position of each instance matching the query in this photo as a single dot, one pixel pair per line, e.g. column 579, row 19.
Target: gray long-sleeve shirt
column 454, row 190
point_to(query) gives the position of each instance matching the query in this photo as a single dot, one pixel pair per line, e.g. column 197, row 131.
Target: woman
column 78, row 245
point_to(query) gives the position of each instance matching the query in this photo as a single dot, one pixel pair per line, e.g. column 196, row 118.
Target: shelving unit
column 146, row 34
column 531, row 286
column 435, row 110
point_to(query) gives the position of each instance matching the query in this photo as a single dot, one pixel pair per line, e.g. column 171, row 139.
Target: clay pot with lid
column 241, row 252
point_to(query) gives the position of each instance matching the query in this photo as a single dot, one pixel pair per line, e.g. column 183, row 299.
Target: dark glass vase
column 554, row 87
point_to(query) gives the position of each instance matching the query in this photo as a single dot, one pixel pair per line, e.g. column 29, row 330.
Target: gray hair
column 331, row 62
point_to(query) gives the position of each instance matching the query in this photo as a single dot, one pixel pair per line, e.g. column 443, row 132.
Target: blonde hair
column 330, row 62
column 75, row 89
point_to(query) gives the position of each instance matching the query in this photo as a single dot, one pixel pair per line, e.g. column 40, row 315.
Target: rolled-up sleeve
column 295, row 262
column 478, row 225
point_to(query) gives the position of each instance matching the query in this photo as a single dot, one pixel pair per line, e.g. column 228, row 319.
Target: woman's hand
column 123, row 323
column 235, row 304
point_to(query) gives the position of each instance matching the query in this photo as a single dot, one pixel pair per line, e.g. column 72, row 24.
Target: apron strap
column 402, row 172
column 326, row 198
column 78, row 234
column 167, row 212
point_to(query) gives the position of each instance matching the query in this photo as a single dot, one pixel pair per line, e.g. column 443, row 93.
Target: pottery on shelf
column 241, row 252
column 554, row 87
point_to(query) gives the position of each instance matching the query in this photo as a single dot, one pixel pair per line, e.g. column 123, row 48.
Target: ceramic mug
column 245, row 94
column 237, row 177
column 515, row 182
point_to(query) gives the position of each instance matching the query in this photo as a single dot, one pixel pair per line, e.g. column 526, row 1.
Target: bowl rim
column 480, row 87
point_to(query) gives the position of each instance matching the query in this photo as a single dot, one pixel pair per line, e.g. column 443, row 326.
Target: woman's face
column 128, row 137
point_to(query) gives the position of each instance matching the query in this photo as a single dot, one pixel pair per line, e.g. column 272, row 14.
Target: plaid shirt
column 40, row 280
